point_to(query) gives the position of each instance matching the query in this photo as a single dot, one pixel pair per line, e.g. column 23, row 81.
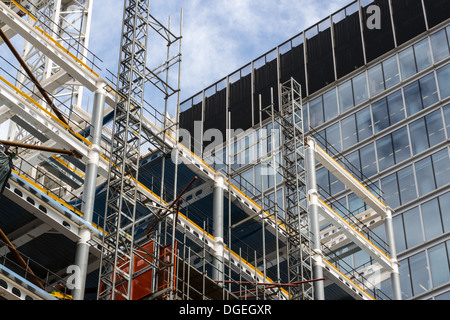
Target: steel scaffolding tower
column 129, row 136
column 119, row 224
column 290, row 119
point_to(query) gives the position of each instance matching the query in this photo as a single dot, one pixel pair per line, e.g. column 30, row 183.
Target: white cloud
column 218, row 36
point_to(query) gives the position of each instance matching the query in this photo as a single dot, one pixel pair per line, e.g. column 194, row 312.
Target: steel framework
column 290, row 119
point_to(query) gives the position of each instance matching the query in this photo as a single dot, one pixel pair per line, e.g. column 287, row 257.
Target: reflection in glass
column 443, row 76
column 385, row 152
column 400, row 141
column 389, row 186
column 439, row 268
column 428, row 90
column 396, row 108
column 397, row 222
column 380, row 115
column 425, row 176
column 407, row 185
column 349, row 137
column 333, row 135
column 419, row 273
column 444, row 205
column 418, row 132
column 364, row 123
column 360, row 88
column 316, row 112
column 390, row 71
column 405, row 279
column 368, row 160
column 441, row 166
column 439, row 46
column 330, row 105
column 345, row 96
column 376, row 81
column 431, row 219
column 413, row 227
column 423, row 54
column 407, row 63
column 413, row 100
column 435, row 127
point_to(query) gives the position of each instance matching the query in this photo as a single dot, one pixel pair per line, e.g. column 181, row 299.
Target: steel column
column 90, row 184
column 314, row 220
column 395, row 274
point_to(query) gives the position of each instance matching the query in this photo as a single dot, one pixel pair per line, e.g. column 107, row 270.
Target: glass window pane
column 418, row 132
column 349, row 134
column 396, row 108
column 380, row 115
column 397, row 223
column 391, row 73
column 441, row 166
column 330, row 105
column 447, row 118
column 352, row 162
column 322, row 180
column 345, row 96
column 407, row 185
column 439, row 46
column 428, row 90
column 333, row 134
column 355, row 204
column 385, row 152
column 444, row 205
column 405, row 279
column 425, row 176
column 400, row 141
column 407, row 63
column 423, row 55
column 376, row 81
column 364, row 124
column 360, row 88
column 439, row 267
column 413, row 227
column 316, row 112
column 413, row 100
column 435, row 128
column 335, row 185
column 419, row 273
column 431, row 219
column 389, row 187
column 368, row 160
column 443, row 75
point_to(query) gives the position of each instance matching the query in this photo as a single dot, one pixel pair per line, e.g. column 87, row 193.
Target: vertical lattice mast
column 290, row 118
column 116, row 266
column 291, row 121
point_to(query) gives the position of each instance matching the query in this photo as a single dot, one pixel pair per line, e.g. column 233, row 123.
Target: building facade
column 375, row 80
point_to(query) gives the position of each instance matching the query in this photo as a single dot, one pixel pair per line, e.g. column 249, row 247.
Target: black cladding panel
column 437, row 11
column 378, row 41
column 409, row 20
column 241, row 103
column 215, row 114
column 348, row 45
column 190, row 118
column 320, row 60
column 292, row 64
column 265, row 82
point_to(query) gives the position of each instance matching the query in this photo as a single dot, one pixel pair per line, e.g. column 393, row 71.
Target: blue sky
column 219, row 36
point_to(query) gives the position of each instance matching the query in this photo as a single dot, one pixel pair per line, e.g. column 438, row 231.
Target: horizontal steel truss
column 55, row 130
column 20, row 103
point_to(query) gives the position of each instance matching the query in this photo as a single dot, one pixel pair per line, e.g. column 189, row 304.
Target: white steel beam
column 345, row 177
column 354, row 235
column 50, row 47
